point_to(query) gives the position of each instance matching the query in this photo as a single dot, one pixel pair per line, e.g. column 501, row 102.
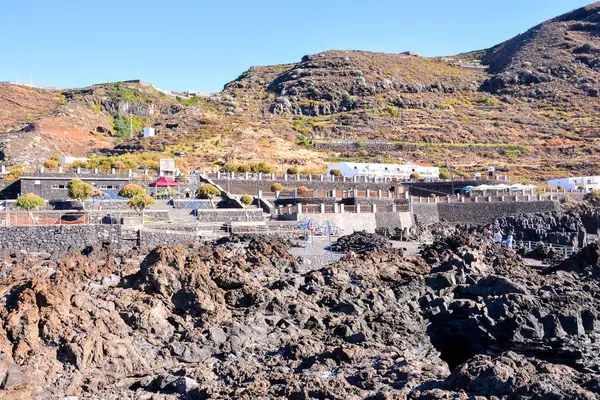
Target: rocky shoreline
column 244, row 319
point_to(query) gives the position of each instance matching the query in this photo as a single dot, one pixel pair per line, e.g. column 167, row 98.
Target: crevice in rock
column 455, row 349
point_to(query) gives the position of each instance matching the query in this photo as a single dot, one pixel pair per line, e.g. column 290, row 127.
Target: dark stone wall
column 239, row 186
column 65, row 239
column 482, row 213
column 477, row 213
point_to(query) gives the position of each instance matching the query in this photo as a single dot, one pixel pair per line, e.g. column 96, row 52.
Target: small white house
column 397, row 171
column 587, row 182
column 71, row 159
column 149, row 132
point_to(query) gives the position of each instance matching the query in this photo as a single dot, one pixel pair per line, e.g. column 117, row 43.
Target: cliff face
column 538, row 91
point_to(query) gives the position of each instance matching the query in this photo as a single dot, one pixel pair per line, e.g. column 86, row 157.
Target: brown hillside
column 534, row 110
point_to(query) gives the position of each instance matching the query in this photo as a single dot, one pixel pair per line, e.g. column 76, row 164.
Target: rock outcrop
column 243, row 319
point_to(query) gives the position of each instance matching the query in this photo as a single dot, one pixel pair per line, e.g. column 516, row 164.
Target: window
column 58, row 186
column 103, row 187
column 108, row 187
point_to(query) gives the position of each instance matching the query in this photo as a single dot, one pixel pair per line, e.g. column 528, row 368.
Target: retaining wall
column 364, row 222
column 246, row 215
column 477, row 213
column 251, row 187
column 71, row 238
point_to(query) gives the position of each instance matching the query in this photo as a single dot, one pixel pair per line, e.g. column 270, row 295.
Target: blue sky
column 201, row 45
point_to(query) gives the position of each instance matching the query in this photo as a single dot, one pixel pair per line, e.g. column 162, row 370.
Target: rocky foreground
column 467, row 320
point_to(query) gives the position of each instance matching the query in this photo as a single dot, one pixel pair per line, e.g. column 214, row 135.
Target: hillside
column 528, row 105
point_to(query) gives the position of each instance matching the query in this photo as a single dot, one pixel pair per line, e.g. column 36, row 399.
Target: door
column 37, row 188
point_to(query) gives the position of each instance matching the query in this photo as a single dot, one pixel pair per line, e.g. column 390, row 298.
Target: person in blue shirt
column 509, row 241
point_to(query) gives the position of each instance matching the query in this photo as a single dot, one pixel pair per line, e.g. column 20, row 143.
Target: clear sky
column 201, row 45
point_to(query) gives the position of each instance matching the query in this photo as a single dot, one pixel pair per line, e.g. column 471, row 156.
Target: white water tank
column 148, row 132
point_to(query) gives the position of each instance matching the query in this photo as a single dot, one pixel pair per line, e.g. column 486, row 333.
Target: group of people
column 498, row 238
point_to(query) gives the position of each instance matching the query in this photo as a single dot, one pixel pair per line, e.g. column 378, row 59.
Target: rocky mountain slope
column 529, row 104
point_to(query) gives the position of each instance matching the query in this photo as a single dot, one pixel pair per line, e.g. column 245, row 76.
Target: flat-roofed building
column 394, row 171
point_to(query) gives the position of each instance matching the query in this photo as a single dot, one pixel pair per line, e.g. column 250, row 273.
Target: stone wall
column 477, row 213
column 441, row 188
column 246, row 215
column 425, row 214
column 240, row 186
column 72, row 238
column 62, row 238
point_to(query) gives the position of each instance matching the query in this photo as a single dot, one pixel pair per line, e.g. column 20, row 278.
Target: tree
column 50, row 164
column 246, row 199
column 131, row 190
column 208, row 190
column 276, row 187
column 445, row 175
column 593, row 197
column 335, row 172
column 29, row 202
column 118, row 165
column 140, row 202
column 292, row 171
column 80, row 191
column 414, row 176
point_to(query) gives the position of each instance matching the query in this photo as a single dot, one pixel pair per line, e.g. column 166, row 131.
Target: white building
column 587, row 182
column 397, row 171
column 71, row 159
column 148, row 132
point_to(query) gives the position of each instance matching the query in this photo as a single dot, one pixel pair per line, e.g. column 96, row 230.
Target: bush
column 30, row 201
column 261, row 167
column 242, row 169
column 121, row 127
column 292, row 171
column 414, row 176
column 335, row 172
column 50, row 164
column 433, row 195
column 246, row 199
column 15, row 173
column 348, row 103
column 131, row 190
column 303, row 190
column 559, row 187
column 119, row 165
column 444, row 175
column 276, row 187
column 593, row 198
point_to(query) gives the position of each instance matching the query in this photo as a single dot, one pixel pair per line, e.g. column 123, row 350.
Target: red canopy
column 164, row 182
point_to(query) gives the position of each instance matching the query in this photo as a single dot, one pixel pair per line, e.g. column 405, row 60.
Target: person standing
column 498, row 237
column 509, row 241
